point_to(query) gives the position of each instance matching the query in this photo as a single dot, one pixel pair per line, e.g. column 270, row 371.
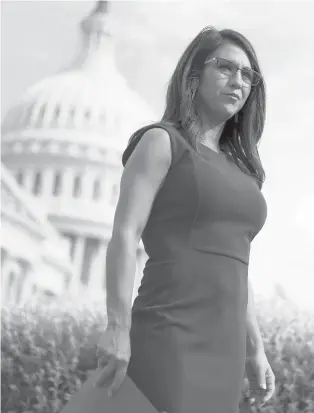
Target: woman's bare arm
column 144, row 173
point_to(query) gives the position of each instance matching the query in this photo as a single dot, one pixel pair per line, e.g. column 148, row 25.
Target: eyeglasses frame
column 259, row 76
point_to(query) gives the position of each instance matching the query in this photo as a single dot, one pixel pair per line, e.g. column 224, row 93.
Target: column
column 5, row 269
column 87, row 185
column 4, row 256
column 66, row 201
column 78, row 259
column 48, row 181
column 108, row 178
column 91, row 250
column 25, row 284
column 68, row 183
column 28, row 180
column 69, row 243
column 63, row 116
column 48, row 114
column 16, row 274
column 98, row 268
column 10, row 280
column 102, row 176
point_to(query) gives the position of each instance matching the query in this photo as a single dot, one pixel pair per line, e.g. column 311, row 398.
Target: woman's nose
column 237, row 78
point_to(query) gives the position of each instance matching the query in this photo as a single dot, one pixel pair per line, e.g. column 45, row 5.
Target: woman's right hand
column 113, row 353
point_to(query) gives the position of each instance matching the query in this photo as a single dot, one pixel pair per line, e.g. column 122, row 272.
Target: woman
column 191, row 190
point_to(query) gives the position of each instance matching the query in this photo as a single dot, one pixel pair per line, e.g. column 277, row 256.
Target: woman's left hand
column 260, row 377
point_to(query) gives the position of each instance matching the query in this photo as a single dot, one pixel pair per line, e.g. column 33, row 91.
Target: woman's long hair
column 241, row 133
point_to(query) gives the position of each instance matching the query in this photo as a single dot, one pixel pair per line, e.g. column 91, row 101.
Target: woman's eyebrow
column 237, row 63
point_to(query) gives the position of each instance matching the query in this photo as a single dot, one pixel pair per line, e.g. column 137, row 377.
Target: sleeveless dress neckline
column 211, row 150
column 207, row 153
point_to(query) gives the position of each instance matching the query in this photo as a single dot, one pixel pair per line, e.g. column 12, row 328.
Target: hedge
column 48, row 351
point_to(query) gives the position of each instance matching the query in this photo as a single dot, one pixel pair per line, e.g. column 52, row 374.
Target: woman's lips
column 231, row 95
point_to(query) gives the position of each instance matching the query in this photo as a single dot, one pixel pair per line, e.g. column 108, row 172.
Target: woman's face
column 213, row 99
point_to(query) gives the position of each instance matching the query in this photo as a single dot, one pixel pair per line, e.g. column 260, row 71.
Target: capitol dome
column 90, row 96
column 63, row 141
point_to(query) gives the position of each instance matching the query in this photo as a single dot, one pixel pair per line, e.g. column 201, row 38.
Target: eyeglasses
column 228, row 68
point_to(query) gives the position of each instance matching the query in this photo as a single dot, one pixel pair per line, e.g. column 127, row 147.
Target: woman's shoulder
column 164, row 134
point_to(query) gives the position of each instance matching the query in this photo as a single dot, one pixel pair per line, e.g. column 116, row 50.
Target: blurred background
column 77, row 78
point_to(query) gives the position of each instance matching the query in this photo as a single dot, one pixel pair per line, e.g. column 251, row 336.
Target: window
column 49, row 294
column 37, row 183
column 77, row 188
column 20, row 178
column 97, row 189
column 57, row 184
column 41, row 114
column 57, row 112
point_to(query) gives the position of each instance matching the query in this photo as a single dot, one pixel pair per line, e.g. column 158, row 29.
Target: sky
column 38, row 38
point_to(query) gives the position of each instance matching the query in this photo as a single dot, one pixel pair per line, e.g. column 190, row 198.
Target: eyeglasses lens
column 229, row 68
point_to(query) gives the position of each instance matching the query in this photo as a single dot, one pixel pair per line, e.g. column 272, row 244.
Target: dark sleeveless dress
column 188, row 335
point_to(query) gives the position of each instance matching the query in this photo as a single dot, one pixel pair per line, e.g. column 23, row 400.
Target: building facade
column 63, row 142
column 34, row 260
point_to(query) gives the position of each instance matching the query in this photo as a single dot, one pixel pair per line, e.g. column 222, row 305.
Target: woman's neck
column 210, row 133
